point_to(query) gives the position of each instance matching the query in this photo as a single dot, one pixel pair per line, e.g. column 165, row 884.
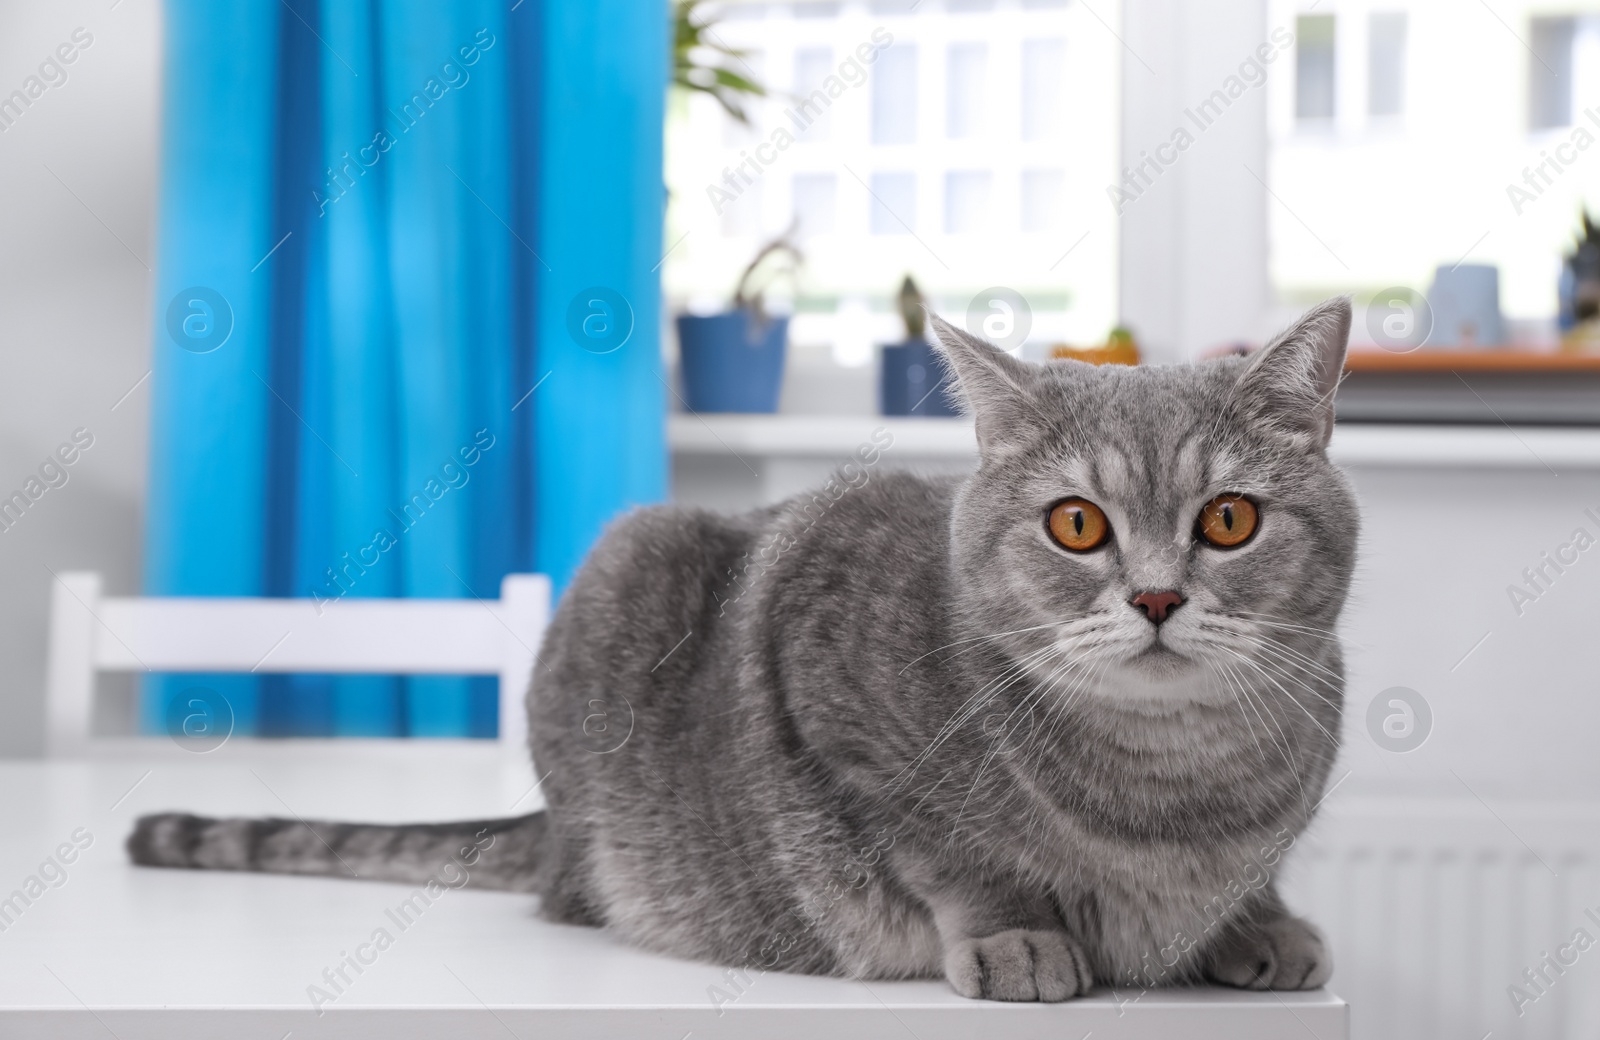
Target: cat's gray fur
column 924, row 739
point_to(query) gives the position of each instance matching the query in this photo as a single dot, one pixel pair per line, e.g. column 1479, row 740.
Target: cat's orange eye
column 1228, row 520
column 1078, row 524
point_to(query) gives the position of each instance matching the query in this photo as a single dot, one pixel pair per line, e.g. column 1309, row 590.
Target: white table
column 123, row 953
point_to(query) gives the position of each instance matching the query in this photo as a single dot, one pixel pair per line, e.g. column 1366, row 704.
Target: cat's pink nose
column 1157, row 605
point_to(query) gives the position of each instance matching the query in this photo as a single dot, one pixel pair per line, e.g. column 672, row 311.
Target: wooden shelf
column 1508, row 360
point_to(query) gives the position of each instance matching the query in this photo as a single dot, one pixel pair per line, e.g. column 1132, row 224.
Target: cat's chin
column 1158, row 678
column 1161, row 663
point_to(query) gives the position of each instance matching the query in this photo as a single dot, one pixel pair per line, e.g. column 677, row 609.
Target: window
column 1486, row 169
column 1042, row 62
column 965, row 73
column 894, row 203
column 966, row 201
column 894, row 96
column 742, row 216
column 815, row 198
column 1550, row 72
column 1313, row 67
column 964, row 149
column 1041, row 201
column 812, row 67
column 1386, row 63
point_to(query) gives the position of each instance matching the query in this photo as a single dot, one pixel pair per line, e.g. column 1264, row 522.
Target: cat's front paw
column 1283, row 954
column 1019, row 965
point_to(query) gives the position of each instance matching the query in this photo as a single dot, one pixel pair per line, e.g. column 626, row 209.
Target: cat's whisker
column 1034, row 694
column 1234, row 688
column 1090, row 666
column 1273, row 678
column 1044, row 744
column 1286, row 653
column 1080, row 686
column 1026, row 704
column 1257, row 618
column 975, row 702
column 1039, row 691
column 1297, row 703
column 971, row 707
column 1295, row 700
column 929, row 793
column 1290, row 657
column 1289, row 652
column 1256, row 706
column 1291, row 672
column 1274, row 730
column 979, row 639
column 1077, row 684
column 1060, row 625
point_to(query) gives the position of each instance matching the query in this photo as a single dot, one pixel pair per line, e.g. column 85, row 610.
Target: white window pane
column 894, row 95
column 1042, row 62
column 1386, row 63
column 815, row 197
column 966, row 201
column 1041, row 200
column 812, row 65
column 742, row 216
column 1550, row 72
column 894, row 203
column 1313, row 67
column 965, row 75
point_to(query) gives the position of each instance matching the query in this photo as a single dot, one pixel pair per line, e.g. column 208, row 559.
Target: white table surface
column 140, row 954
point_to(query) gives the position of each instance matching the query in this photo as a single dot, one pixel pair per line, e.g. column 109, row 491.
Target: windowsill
column 824, row 437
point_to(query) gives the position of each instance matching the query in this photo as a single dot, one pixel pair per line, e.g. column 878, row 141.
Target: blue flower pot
column 1465, row 300
column 909, row 381
column 730, row 364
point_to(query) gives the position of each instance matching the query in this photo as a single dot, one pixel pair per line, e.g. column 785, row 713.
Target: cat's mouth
column 1160, row 656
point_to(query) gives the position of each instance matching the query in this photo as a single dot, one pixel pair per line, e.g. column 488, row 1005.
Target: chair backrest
column 91, row 632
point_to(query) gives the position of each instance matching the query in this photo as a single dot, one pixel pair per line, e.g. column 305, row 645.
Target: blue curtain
column 407, row 319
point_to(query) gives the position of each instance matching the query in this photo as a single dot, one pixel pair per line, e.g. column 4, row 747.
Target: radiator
column 1436, row 908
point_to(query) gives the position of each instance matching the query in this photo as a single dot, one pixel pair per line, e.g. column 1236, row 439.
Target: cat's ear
column 991, row 383
column 1290, row 383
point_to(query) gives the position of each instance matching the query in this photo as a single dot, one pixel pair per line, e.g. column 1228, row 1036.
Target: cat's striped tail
column 499, row 854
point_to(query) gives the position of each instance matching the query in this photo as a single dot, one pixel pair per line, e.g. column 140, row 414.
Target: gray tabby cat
column 1046, row 727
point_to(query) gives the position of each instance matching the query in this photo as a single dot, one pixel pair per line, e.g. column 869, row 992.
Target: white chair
column 91, row 632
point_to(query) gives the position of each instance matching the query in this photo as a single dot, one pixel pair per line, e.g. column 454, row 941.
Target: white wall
column 77, row 200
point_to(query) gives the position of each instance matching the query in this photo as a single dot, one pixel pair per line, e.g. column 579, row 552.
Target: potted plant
column 1579, row 288
column 692, row 34
column 733, row 361
column 911, row 377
